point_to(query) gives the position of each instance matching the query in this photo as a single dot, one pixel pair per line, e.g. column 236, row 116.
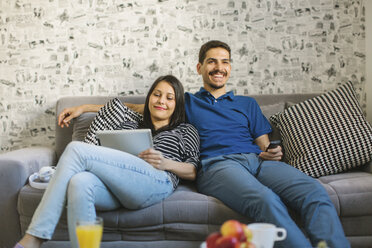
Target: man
column 237, row 169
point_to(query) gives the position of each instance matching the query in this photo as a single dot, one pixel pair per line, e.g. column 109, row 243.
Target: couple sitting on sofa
column 235, row 165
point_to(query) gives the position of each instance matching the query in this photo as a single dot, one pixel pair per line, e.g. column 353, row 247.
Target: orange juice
column 89, row 236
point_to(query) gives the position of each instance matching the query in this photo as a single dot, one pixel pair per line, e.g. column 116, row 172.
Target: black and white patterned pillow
column 327, row 134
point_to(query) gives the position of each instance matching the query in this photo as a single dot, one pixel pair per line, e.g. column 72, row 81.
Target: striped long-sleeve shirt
column 180, row 144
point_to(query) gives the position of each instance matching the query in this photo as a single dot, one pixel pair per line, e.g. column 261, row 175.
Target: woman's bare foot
column 29, row 241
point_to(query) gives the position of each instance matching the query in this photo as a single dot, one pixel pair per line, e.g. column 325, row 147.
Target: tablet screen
column 132, row 141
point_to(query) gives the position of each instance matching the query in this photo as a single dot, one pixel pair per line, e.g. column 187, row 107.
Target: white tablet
column 132, row 141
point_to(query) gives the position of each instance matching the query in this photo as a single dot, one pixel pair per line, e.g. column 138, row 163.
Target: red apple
column 227, row 242
column 232, row 228
column 212, row 238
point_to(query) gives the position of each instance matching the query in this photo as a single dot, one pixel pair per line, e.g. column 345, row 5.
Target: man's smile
column 218, row 73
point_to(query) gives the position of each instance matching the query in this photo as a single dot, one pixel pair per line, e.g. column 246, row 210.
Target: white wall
column 50, row 49
column 368, row 5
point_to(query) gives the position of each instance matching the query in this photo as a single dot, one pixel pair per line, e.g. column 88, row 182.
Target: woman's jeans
column 90, row 177
column 262, row 190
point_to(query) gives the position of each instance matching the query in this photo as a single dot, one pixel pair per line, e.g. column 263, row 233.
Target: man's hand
column 272, row 154
column 153, row 157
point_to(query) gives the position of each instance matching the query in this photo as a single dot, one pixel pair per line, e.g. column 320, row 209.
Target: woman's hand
column 153, row 157
column 65, row 117
column 272, row 154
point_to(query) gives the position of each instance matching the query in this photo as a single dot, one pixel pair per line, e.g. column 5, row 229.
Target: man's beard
column 216, row 87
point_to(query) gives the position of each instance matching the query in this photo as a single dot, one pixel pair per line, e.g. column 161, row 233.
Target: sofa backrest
column 65, row 135
column 270, row 104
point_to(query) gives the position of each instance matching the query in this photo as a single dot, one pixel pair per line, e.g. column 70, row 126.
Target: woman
column 90, row 177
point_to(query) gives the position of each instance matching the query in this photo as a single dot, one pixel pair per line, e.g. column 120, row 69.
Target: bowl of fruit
column 232, row 234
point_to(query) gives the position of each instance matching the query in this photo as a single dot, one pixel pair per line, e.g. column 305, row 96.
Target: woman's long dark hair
column 178, row 115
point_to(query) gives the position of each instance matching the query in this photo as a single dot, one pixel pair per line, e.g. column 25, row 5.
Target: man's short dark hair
column 212, row 44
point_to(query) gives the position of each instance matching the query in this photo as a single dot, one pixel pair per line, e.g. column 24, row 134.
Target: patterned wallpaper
column 54, row 48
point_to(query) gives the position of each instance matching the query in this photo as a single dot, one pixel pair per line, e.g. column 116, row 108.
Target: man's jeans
column 262, row 190
column 89, row 177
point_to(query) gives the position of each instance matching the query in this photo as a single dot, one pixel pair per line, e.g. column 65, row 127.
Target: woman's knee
column 75, row 153
column 75, row 147
column 81, row 184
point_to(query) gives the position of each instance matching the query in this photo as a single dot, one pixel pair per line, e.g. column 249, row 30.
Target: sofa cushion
column 188, row 215
column 81, row 125
column 327, row 134
column 185, row 215
column 353, row 190
column 271, row 109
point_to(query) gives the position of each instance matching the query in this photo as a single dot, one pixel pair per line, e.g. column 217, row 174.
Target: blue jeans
column 90, row 177
column 262, row 190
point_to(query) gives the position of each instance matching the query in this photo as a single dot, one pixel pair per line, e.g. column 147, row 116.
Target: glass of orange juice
column 89, row 233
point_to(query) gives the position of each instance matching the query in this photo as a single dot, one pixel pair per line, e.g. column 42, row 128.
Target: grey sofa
column 182, row 220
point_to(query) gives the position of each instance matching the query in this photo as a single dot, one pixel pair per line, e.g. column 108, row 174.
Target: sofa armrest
column 15, row 168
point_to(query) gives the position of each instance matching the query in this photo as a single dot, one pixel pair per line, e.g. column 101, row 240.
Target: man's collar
column 229, row 94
